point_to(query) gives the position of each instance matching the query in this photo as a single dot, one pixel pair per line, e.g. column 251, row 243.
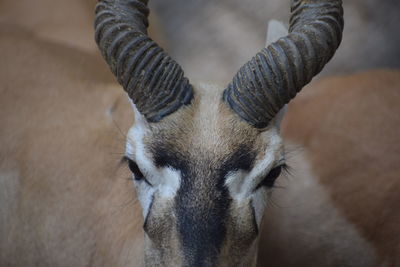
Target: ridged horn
column 277, row 73
column 154, row 81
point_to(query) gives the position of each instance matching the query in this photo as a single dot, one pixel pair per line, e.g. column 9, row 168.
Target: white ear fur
column 279, row 116
column 276, row 30
column 139, row 118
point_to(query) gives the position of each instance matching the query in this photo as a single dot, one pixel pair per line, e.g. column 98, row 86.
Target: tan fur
column 66, row 200
column 207, row 126
column 206, row 134
column 347, row 128
column 65, row 22
column 63, row 203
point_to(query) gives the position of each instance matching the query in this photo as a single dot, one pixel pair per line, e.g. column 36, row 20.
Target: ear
column 279, row 117
column 276, row 30
column 139, row 118
column 139, row 127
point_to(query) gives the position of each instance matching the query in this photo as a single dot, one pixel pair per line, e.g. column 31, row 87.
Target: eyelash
column 270, row 178
column 134, row 168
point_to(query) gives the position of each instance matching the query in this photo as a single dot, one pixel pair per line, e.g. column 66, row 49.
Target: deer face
column 204, row 158
column 203, row 180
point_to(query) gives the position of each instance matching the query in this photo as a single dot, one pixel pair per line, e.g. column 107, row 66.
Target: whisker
column 279, row 187
column 271, row 203
column 119, row 128
column 288, row 171
column 293, row 151
column 117, row 153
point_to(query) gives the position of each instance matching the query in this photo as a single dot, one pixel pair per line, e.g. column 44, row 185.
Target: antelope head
column 204, row 158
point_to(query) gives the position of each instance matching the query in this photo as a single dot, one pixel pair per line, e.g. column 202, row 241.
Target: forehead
column 208, row 131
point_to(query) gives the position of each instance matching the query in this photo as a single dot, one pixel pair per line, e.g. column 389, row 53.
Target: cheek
column 243, row 229
column 165, row 182
column 259, row 202
column 160, row 222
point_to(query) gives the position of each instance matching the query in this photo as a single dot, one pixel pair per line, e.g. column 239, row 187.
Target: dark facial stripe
column 202, row 201
column 201, row 219
column 242, row 159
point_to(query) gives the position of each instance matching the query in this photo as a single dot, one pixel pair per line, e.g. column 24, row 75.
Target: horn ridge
column 151, row 78
column 289, row 64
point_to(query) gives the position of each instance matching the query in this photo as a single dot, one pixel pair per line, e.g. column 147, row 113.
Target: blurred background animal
column 66, row 200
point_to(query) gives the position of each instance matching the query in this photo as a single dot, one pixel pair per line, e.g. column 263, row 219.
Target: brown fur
column 348, row 129
column 359, row 126
column 206, row 126
column 66, row 22
column 204, row 135
column 53, row 166
column 66, row 201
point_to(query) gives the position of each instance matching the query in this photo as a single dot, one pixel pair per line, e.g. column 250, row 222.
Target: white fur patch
column 241, row 184
column 165, row 181
column 279, row 117
column 276, row 30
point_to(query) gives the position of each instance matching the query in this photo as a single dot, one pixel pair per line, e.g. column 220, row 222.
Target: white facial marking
column 259, row 202
column 279, row 117
column 164, row 181
column 276, row 30
column 242, row 184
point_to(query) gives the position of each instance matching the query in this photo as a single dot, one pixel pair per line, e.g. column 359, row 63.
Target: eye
column 134, row 169
column 269, row 180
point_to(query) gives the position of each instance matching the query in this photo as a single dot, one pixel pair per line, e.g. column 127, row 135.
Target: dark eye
column 134, row 169
column 269, row 180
